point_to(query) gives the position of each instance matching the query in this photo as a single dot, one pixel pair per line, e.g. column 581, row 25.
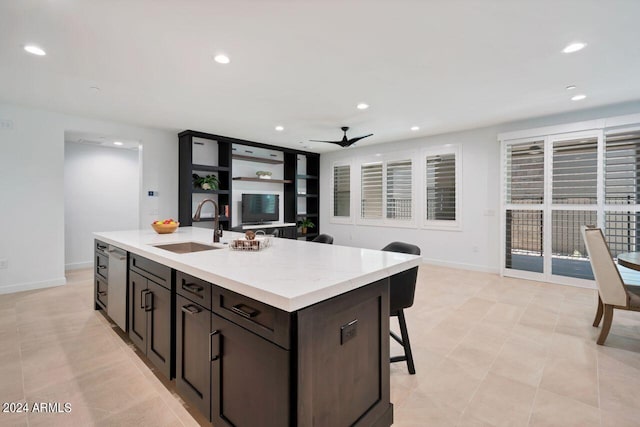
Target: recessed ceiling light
column 117, row 143
column 35, row 50
column 571, row 87
column 362, row 106
column 574, row 47
column 578, row 97
column 221, row 59
column 378, row 154
column 279, row 128
column 415, row 128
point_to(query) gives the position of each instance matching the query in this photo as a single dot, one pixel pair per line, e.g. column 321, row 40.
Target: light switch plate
column 6, row 124
column 4, row 263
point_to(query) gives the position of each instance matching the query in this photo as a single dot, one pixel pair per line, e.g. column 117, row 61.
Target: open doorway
column 101, row 191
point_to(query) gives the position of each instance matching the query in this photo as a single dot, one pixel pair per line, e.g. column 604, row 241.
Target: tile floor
column 489, row 351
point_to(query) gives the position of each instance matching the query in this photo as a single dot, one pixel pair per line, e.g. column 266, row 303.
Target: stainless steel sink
column 186, row 247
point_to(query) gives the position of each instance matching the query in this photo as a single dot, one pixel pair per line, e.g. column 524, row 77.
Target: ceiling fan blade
column 358, row 138
column 332, row 142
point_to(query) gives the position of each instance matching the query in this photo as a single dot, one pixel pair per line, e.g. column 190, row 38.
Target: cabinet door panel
column 193, row 375
column 102, row 292
column 250, row 379
column 137, row 314
column 343, row 358
column 158, row 306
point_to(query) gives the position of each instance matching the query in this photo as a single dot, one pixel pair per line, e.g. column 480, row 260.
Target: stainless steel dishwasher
column 117, row 307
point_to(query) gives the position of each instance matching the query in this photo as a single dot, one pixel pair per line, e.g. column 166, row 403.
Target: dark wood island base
column 242, row 362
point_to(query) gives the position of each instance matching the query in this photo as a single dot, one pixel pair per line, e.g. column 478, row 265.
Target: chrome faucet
column 217, row 233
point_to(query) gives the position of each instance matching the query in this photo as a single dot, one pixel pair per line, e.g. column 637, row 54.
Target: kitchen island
column 295, row 334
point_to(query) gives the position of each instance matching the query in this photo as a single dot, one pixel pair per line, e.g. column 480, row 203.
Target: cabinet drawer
column 262, row 319
column 194, row 289
column 101, row 247
column 159, row 273
column 102, row 292
column 102, row 265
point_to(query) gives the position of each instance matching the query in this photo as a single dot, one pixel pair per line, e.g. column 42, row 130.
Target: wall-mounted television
column 257, row 208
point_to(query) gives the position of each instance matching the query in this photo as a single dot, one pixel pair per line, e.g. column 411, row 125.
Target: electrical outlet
column 6, row 124
column 4, row 263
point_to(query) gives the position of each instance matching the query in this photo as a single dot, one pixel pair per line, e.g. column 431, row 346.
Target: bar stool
column 323, row 238
column 402, row 288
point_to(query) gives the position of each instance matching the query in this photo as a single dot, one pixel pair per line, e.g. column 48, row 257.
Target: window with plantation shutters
column 524, row 173
column 575, row 171
column 622, row 168
column 441, row 187
column 399, row 190
column 342, row 191
column 371, row 199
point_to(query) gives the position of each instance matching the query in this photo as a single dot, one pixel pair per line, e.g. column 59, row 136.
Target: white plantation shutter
column 371, row 190
column 575, row 171
column 399, row 190
column 441, row 187
column 622, row 168
column 524, row 173
column 341, row 191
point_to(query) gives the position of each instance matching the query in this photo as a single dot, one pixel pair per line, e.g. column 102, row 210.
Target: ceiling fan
column 345, row 142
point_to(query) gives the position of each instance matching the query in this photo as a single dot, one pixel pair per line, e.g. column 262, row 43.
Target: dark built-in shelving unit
column 292, row 180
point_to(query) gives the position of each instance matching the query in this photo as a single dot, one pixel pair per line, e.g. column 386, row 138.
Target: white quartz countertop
column 290, row 274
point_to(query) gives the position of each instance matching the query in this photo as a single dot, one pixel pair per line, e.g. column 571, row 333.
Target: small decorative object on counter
column 166, row 226
column 264, row 174
column 258, row 241
column 209, row 182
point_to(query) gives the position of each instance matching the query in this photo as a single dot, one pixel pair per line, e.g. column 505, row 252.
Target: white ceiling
column 441, row 65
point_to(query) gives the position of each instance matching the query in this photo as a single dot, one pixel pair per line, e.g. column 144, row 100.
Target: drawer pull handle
column 101, row 267
column 102, row 248
column 192, row 288
column 213, row 357
column 190, row 309
column 248, row 312
column 103, row 293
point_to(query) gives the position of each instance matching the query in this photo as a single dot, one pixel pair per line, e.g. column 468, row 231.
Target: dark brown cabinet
column 300, row 185
column 250, row 378
column 193, row 350
column 193, row 372
column 150, row 315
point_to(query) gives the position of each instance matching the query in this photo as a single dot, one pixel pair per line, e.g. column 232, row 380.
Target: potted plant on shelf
column 304, row 224
column 209, row 182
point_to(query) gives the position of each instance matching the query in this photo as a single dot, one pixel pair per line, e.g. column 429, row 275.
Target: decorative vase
column 303, row 230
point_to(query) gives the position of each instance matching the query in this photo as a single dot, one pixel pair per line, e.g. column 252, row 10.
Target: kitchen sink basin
column 186, row 247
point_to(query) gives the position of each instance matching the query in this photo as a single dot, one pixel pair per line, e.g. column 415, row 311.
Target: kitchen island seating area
column 402, row 289
column 282, row 336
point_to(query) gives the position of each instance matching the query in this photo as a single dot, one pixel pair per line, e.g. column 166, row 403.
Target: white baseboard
column 461, row 266
column 78, row 265
column 20, row 287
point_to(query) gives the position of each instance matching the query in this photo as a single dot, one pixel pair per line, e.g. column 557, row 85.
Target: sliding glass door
column 550, row 190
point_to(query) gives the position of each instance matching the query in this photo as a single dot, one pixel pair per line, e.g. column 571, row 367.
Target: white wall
column 101, row 193
column 32, row 189
column 480, row 193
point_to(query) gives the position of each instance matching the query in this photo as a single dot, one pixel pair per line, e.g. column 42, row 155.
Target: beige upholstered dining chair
column 612, row 292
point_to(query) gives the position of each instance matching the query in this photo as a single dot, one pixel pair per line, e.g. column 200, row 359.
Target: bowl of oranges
column 166, row 226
